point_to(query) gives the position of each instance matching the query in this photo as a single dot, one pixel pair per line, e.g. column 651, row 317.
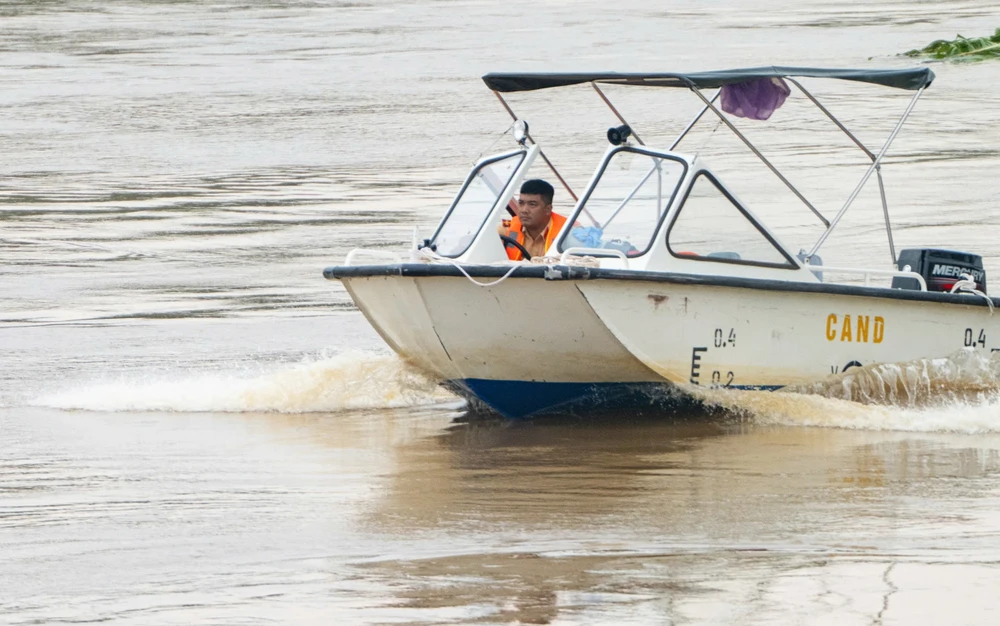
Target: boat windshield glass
column 624, row 208
column 474, row 203
column 711, row 226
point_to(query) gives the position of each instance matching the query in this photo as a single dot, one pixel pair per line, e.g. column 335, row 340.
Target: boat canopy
column 910, row 78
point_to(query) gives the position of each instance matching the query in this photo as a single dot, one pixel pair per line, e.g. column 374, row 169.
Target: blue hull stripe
column 519, row 398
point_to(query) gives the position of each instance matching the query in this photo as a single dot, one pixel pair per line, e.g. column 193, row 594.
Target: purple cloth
column 755, row 99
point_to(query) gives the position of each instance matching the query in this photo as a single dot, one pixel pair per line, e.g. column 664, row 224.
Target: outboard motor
column 940, row 268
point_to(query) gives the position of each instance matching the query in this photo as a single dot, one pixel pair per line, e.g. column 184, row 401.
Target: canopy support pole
column 540, row 152
column 832, row 118
column 615, row 111
column 760, row 156
column 694, row 121
column 864, row 179
column 885, row 211
column 878, row 169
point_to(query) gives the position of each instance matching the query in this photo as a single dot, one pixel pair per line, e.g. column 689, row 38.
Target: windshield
column 624, row 209
column 474, row 203
column 711, row 226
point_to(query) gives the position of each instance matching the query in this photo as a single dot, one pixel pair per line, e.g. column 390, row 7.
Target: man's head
column 534, row 205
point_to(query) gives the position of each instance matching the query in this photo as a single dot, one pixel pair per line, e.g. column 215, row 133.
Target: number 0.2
column 717, row 378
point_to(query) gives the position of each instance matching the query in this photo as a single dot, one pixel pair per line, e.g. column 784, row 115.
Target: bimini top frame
column 912, row 79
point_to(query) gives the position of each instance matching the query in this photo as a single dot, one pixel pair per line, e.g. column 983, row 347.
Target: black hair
column 539, row 187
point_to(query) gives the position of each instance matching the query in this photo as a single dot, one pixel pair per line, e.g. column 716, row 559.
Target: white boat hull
column 548, row 337
column 753, row 338
column 455, row 330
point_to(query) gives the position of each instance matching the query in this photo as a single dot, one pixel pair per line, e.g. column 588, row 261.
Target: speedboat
column 661, row 275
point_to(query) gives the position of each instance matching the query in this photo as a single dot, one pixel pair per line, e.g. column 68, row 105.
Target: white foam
column 793, row 409
column 964, row 375
column 959, row 393
column 347, row 381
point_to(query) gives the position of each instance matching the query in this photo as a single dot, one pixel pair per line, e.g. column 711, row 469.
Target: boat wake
column 959, row 393
column 344, row 382
column 966, row 375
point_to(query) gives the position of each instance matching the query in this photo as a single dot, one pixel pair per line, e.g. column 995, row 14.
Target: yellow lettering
column 845, row 333
column 831, row 332
column 863, row 328
column 879, row 333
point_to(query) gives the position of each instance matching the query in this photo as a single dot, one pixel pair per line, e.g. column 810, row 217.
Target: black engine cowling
column 940, row 268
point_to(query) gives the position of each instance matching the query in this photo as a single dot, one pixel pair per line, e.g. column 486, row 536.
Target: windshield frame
column 581, row 206
column 461, row 193
column 791, row 265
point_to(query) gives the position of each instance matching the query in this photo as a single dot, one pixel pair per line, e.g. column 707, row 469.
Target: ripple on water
column 176, row 175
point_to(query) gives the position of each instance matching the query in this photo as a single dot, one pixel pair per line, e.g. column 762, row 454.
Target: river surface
column 197, row 428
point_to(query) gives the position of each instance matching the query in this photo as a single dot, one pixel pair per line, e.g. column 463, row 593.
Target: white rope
column 433, row 256
column 968, row 285
column 489, row 148
column 708, row 139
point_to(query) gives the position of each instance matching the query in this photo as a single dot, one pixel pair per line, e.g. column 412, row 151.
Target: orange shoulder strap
column 558, row 221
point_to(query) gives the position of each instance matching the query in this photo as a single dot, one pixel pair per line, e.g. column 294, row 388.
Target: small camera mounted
column 619, row 134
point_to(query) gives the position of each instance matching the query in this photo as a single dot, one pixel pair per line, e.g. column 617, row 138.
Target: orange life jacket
column 516, row 231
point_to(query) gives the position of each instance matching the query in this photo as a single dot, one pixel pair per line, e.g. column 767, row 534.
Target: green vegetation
column 962, row 48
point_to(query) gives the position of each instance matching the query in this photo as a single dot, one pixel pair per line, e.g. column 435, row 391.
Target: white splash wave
column 347, row 381
column 964, row 375
column 793, row 409
column 959, row 393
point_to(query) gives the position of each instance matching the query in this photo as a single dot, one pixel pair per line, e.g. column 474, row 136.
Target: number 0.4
column 971, row 339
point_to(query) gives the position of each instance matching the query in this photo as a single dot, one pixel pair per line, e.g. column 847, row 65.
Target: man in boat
column 535, row 226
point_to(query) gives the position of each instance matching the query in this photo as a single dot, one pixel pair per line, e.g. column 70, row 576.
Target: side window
column 624, row 209
column 473, row 205
column 711, row 226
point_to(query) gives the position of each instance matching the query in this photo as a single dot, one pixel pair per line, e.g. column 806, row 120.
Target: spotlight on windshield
column 520, row 131
column 619, row 134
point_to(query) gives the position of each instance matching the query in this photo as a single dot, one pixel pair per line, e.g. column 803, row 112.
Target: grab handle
column 593, row 252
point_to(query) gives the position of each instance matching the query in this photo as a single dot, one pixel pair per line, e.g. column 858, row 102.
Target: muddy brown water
column 195, row 427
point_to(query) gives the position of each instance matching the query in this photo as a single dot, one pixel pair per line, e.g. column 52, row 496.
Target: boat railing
column 593, row 252
column 868, row 273
column 371, row 252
